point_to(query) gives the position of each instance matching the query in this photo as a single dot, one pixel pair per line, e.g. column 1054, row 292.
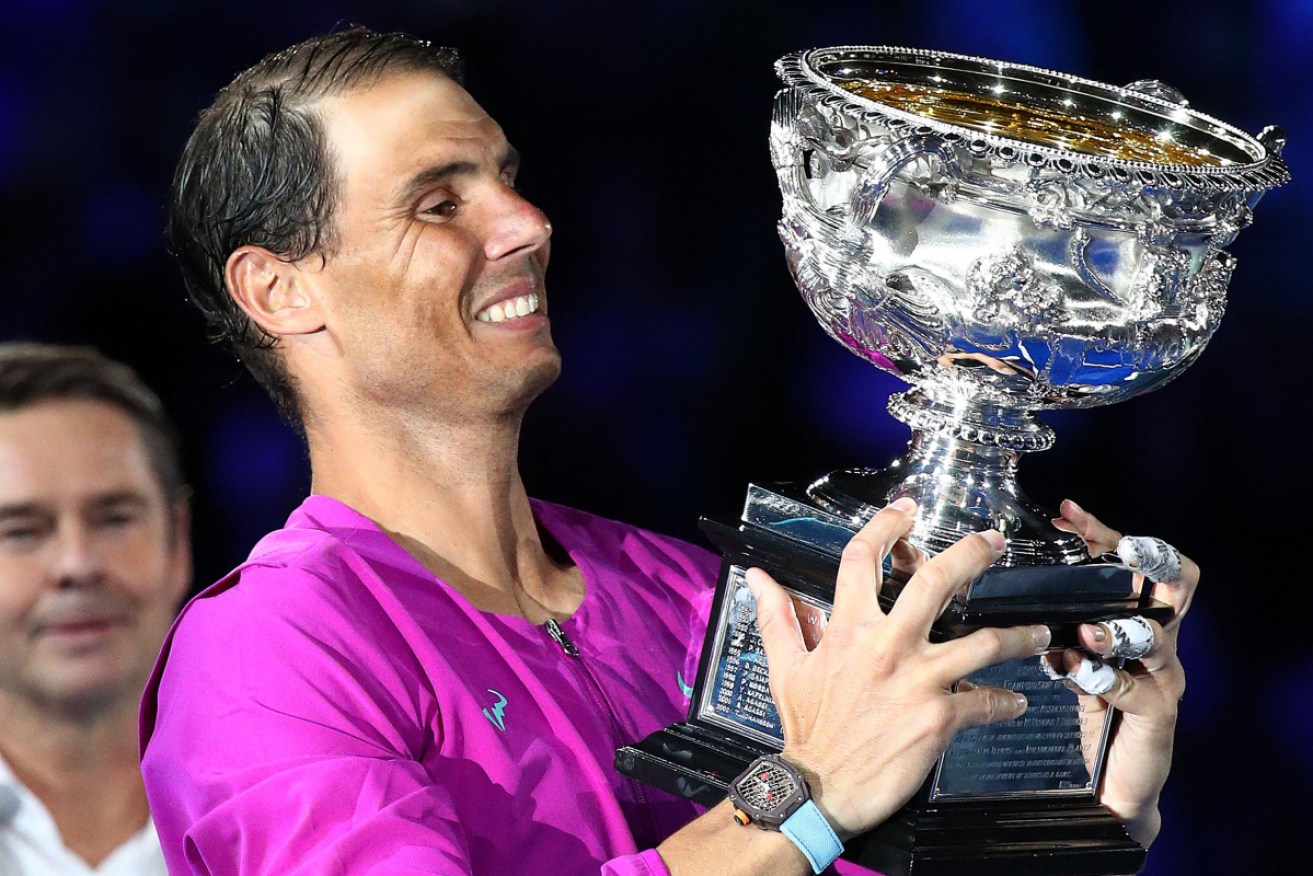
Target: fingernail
column 1021, row 701
column 1042, row 635
column 995, row 539
column 1078, row 509
column 906, row 504
column 1098, row 632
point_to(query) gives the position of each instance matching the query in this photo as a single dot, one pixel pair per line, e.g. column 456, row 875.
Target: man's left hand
column 1146, row 690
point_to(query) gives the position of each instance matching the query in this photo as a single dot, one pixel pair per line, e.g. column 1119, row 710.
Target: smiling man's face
column 433, row 290
column 91, row 565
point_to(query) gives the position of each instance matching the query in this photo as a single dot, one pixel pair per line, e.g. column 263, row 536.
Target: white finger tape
column 1132, row 637
column 1048, row 669
column 1157, row 559
column 1094, row 676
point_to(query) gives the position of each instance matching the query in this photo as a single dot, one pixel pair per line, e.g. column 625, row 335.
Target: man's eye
column 115, row 517
column 19, row 537
column 444, row 209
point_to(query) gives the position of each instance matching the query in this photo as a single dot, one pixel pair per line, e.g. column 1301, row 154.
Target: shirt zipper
column 601, row 702
column 558, row 635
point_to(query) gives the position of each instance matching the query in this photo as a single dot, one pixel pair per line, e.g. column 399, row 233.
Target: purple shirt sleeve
column 647, row 863
column 289, row 754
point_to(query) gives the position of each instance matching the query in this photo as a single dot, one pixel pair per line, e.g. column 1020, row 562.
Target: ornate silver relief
column 1006, row 291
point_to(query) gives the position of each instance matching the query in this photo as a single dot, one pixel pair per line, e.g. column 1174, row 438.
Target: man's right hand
column 869, row 710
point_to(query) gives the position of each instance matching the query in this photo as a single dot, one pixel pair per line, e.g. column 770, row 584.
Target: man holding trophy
column 426, row 671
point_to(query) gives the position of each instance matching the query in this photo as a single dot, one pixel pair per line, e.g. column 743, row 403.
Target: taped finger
column 1091, row 675
column 1129, row 637
column 1053, row 673
column 1154, row 558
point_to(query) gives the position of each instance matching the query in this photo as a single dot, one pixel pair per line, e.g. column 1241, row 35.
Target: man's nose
column 519, row 225
column 78, row 561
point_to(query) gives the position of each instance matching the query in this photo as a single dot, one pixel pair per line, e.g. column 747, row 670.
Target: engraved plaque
column 1053, row 749
column 737, row 696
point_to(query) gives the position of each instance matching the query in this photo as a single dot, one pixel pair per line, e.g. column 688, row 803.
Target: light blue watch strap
column 811, row 833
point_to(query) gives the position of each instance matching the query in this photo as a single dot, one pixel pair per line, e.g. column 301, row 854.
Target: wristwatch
column 773, row 795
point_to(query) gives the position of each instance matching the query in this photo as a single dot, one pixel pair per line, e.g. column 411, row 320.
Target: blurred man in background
column 94, row 559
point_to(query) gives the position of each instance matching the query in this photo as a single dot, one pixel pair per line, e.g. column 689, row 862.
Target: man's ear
column 273, row 292
column 180, row 556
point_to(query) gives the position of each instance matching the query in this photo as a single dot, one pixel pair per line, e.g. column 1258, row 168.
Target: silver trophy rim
column 797, row 70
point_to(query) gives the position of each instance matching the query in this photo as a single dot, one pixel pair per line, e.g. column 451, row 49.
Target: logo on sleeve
column 684, row 687
column 494, row 713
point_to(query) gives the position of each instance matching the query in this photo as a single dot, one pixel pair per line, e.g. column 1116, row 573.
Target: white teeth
column 521, row 306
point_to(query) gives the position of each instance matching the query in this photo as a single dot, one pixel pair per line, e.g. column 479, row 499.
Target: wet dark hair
column 32, row 373
column 257, row 171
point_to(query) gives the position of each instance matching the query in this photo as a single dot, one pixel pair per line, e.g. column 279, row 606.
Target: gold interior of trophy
column 1110, row 136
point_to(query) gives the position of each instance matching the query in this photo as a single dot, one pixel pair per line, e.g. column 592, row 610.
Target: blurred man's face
column 91, row 564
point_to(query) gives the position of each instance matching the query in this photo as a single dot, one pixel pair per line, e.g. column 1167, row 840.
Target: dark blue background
column 691, row 365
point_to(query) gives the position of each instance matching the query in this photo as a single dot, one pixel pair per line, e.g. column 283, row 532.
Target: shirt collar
column 11, row 793
column 7, row 777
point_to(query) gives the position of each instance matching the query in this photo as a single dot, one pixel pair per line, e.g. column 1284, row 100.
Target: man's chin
column 537, row 379
column 85, row 692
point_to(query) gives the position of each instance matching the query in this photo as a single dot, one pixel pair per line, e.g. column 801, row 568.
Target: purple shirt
column 332, row 707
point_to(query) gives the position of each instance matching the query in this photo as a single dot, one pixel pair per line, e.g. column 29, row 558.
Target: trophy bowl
column 1007, row 240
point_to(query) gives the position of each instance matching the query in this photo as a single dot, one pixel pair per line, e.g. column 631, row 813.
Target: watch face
column 767, row 786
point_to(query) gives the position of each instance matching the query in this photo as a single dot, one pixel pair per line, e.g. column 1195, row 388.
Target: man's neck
column 452, row 496
column 83, row 769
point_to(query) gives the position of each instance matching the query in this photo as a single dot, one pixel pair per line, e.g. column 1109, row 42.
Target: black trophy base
column 1023, row 837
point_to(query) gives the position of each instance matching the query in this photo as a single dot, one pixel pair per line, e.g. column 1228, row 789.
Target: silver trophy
column 1007, row 240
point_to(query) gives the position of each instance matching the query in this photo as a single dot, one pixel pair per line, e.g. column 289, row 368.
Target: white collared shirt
column 30, row 844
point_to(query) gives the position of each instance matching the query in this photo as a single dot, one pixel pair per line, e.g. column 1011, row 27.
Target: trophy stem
column 961, row 469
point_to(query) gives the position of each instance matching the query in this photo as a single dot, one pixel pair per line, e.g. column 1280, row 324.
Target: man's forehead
column 403, row 119
column 69, row 447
